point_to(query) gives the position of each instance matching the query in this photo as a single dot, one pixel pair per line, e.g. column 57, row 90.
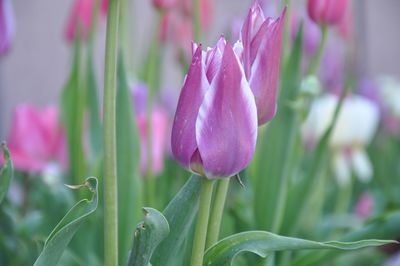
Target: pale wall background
column 37, row 68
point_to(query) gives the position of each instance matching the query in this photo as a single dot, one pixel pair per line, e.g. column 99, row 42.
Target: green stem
column 216, row 213
column 199, row 240
column 110, row 161
column 197, row 20
column 343, row 198
column 316, row 61
column 286, row 32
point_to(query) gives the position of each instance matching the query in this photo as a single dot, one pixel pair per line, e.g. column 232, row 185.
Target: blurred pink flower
column 164, row 4
column 80, row 18
column 36, row 139
column 328, row 12
column 176, row 23
column 364, row 205
column 7, row 29
column 345, row 26
column 158, row 138
column 159, row 126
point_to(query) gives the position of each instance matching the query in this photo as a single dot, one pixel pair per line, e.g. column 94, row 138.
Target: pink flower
column 6, row 25
column 176, row 24
column 215, row 127
column 328, row 12
column 164, row 4
column 262, row 44
column 159, row 125
column 158, row 139
column 80, row 18
column 36, row 139
column 364, row 205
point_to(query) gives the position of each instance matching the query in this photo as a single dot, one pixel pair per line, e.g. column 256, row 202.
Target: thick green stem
column 316, row 61
column 200, row 234
column 197, row 20
column 110, row 158
column 216, row 213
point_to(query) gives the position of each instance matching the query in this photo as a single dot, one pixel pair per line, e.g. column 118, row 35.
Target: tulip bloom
column 262, row 43
column 36, row 140
column 6, row 25
column 81, row 16
column 327, row 12
column 215, row 127
column 356, row 125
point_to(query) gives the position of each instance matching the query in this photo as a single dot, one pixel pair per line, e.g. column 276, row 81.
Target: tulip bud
column 80, row 19
column 164, row 4
column 36, row 139
column 6, row 25
column 215, row 127
column 262, row 43
column 81, row 16
column 329, row 12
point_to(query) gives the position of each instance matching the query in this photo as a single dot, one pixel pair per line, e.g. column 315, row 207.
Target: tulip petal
column 342, row 168
column 226, row 127
column 251, row 26
column 183, row 140
column 265, row 71
column 362, row 166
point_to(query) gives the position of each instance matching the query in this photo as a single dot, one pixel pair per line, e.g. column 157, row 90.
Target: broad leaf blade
column 129, row 183
column 62, row 234
column 72, row 113
column 147, row 236
column 383, row 227
column 264, row 243
column 180, row 214
column 93, row 108
column 6, row 173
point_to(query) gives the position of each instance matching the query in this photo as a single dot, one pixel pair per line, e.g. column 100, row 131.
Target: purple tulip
column 6, row 25
column 262, row 43
column 215, row 128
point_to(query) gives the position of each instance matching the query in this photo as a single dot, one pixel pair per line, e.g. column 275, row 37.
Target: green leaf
column 273, row 161
column 72, row 113
column 180, row 213
column 147, row 236
column 264, row 243
column 386, row 226
column 92, row 101
column 319, row 161
column 6, row 172
column 62, row 234
column 129, row 183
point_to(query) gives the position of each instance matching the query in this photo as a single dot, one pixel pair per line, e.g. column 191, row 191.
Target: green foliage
column 72, row 113
column 129, row 183
column 6, row 172
column 264, row 243
column 147, row 236
column 180, row 213
column 62, row 234
column 273, row 162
